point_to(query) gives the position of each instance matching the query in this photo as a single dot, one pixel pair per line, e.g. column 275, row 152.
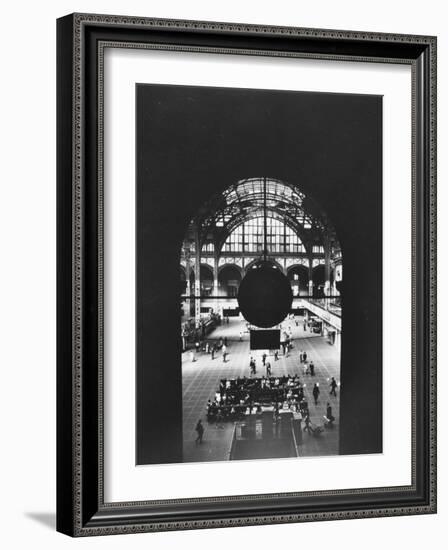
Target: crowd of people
column 251, row 395
column 237, row 397
column 212, row 348
column 240, row 396
column 307, row 367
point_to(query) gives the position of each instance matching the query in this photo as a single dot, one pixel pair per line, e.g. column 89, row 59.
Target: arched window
column 249, row 236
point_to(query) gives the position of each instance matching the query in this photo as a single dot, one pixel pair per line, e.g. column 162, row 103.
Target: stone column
column 188, row 286
column 187, row 272
column 197, row 280
column 215, row 280
column 310, row 275
column 327, row 251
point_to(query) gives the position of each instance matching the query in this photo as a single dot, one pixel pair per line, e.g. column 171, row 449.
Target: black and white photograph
column 259, row 274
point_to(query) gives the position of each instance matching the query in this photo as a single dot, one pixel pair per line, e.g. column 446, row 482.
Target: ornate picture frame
column 81, row 506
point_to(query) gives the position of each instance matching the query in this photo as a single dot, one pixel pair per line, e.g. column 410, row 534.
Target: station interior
column 266, row 390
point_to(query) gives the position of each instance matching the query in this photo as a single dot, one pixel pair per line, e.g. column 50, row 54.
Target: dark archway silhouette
column 223, row 136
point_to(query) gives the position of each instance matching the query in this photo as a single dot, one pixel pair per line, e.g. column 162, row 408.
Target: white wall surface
column 27, row 274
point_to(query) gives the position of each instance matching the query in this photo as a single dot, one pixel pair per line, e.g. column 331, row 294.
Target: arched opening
column 206, row 280
column 319, row 281
column 234, row 220
column 298, row 276
column 229, row 279
column 260, row 218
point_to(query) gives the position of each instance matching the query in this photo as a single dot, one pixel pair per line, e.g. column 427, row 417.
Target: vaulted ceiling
column 247, row 199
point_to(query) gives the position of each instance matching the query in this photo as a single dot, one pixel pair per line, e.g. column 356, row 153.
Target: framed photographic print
column 246, row 274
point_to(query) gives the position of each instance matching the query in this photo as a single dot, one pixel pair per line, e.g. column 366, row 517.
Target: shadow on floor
column 47, row 519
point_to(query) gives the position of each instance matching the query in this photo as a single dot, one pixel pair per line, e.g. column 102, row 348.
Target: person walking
column 224, row 353
column 268, row 369
column 308, row 427
column 333, row 386
column 252, row 366
column 312, row 368
column 264, row 359
column 213, row 351
column 305, row 368
column 316, row 392
column 200, row 431
column 330, row 417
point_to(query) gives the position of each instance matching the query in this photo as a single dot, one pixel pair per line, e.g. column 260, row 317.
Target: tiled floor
column 201, row 378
